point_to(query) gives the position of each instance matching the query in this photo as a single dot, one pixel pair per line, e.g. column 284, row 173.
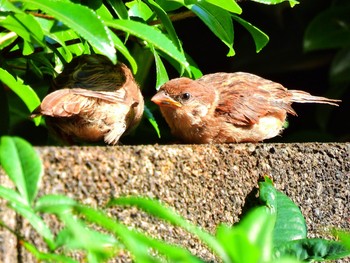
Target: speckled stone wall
column 207, row 184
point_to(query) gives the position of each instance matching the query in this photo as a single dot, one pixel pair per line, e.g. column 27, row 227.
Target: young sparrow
column 228, row 107
column 92, row 99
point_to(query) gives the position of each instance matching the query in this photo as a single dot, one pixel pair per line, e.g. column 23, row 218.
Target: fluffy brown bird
column 93, row 99
column 228, row 107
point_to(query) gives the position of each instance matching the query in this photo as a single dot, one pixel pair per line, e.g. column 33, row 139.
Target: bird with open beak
column 92, row 100
column 228, row 107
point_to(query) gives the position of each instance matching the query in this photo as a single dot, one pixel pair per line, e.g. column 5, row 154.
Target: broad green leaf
column 89, row 26
column 36, row 222
column 139, row 9
column 196, row 72
column 343, row 236
column 330, row 29
column 25, row 92
column 275, row 2
column 139, row 250
column 218, row 20
column 148, row 114
column 124, row 50
column 77, row 235
column 290, row 223
column 11, row 195
column 7, row 6
column 166, row 22
column 170, row 5
column 259, row 227
column 229, row 5
column 155, row 208
column 55, row 204
column 119, row 8
column 310, row 250
column 152, row 36
column 260, row 38
column 22, row 164
column 27, row 28
column 46, row 257
column 237, row 245
column 137, row 243
column 161, row 73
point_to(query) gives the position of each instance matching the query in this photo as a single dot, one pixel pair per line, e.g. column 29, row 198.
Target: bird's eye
column 185, row 96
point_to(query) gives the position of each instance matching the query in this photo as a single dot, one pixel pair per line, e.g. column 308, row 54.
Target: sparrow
column 92, row 99
column 228, row 107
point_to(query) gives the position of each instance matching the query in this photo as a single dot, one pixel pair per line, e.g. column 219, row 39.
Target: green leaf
column 11, row 195
column 124, row 50
column 26, row 27
column 46, row 257
column 36, row 222
column 139, row 9
column 330, row 29
column 148, row 114
column 25, row 92
column 260, row 38
column 119, row 8
column 314, row 249
column 275, row 2
column 344, row 236
column 137, row 243
column 290, row 223
column 89, row 26
column 237, row 245
column 152, row 36
column 22, row 164
column 56, row 204
column 166, row 22
column 158, row 210
column 77, row 235
column 218, row 20
column 229, row 5
column 161, row 73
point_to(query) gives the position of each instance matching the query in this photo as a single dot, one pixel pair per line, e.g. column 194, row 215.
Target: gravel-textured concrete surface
column 207, row 184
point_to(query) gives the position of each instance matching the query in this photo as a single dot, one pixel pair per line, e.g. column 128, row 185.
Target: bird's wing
column 69, row 102
column 245, row 98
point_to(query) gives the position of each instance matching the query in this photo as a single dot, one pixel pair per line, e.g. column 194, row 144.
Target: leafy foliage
column 265, row 234
column 38, row 37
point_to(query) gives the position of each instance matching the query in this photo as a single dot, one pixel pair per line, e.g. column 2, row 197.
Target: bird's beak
column 163, row 99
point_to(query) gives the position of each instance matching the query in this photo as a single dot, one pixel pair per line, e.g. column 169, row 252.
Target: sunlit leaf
column 139, row 9
column 229, row 5
column 89, row 26
column 25, row 92
column 148, row 114
column 313, row 250
column 22, row 164
column 151, row 35
column 260, row 38
column 275, row 2
column 159, row 210
column 218, row 20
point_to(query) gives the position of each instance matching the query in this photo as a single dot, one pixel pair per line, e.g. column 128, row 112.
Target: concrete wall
column 207, row 184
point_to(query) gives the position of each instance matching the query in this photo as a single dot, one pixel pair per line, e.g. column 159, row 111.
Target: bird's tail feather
column 305, row 97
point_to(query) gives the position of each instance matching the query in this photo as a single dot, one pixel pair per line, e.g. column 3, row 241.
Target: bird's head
column 184, row 97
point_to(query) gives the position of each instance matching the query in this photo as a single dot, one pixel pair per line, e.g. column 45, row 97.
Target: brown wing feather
column 244, row 97
column 69, row 102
